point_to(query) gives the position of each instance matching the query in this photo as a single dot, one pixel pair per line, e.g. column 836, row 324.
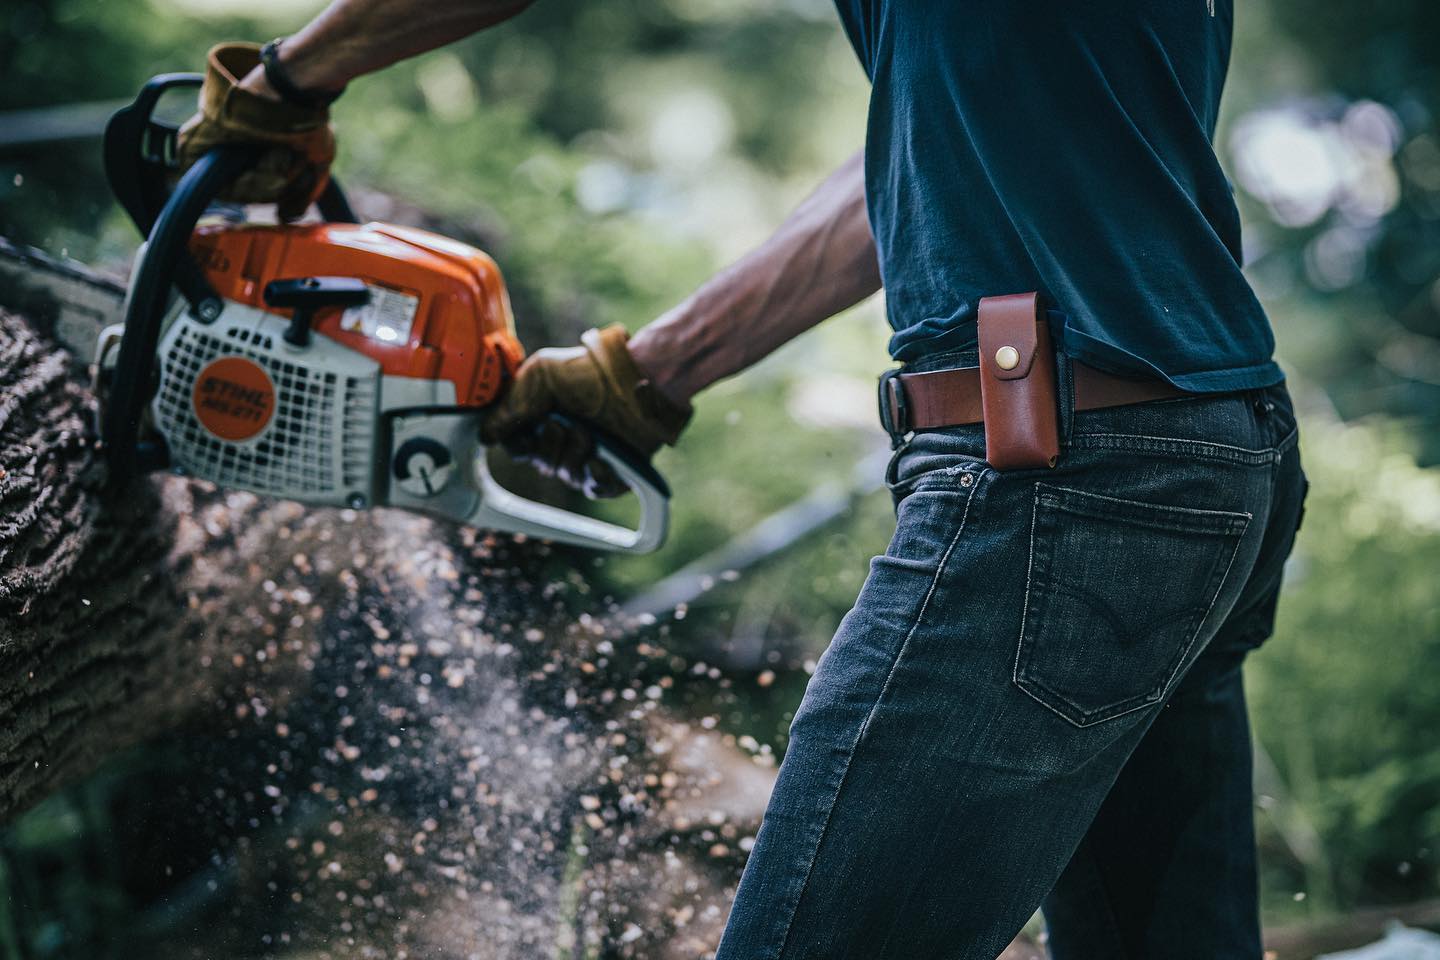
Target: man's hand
column 295, row 165
column 348, row 39
column 820, row 261
column 598, row 383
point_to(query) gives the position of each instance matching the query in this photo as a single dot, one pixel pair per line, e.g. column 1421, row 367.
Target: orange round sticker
column 233, row 398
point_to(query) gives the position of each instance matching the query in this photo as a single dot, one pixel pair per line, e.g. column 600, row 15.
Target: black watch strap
column 279, row 79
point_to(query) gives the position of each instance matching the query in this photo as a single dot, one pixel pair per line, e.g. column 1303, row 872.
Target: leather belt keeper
column 952, row 398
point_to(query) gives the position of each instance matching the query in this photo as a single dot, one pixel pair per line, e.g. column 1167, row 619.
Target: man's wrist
column 297, row 87
column 255, row 82
column 302, row 70
column 656, row 358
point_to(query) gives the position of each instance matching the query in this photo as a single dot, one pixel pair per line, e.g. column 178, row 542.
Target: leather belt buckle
column 894, row 412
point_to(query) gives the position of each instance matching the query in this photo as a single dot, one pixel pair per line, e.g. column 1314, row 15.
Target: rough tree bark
column 427, row 748
column 86, row 595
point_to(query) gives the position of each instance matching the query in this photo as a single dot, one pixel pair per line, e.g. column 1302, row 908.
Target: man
column 1037, row 698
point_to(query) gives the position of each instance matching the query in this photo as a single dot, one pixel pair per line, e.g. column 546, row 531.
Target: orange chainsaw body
column 332, row 363
column 439, row 309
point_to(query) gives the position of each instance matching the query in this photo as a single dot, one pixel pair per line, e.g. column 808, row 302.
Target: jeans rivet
column 966, row 479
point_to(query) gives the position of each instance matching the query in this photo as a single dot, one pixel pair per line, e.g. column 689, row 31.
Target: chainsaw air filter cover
column 237, row 408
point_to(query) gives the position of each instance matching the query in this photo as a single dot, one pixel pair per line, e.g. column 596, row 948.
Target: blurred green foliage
column 611, row 154
column 1343, row 694
column 1335, row 147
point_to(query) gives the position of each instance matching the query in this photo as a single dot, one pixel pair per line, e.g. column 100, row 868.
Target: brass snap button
column 1007, row 358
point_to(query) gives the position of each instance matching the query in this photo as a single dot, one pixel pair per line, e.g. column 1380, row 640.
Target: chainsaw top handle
column 141, row 159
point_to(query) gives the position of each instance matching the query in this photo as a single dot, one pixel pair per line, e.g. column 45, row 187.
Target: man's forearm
column 354, row 37
column 821, row 261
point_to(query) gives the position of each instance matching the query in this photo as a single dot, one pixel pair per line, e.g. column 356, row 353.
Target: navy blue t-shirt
column 1061, row 146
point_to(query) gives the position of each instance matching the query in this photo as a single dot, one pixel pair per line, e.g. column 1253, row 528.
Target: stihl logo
column 233, row 398
column 227, row 395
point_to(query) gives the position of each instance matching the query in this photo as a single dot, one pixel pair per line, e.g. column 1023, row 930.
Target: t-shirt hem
column 1102, row 356
column 1221, row 380
column 1238, row 378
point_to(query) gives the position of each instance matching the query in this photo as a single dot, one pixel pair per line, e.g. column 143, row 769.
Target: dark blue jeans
column 1037, row 701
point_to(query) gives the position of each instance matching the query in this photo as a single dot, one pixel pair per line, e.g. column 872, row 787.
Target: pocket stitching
column 1205, row 449
column 1229, row 518
column 1140, row 701
column 1174, row 666
column 945, row 478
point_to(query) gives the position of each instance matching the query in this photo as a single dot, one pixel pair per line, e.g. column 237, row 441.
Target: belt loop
column 1065, row 382
column 894, row 415
column 1064, row 377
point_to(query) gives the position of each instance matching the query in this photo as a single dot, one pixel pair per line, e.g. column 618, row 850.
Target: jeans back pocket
column 1117, row 593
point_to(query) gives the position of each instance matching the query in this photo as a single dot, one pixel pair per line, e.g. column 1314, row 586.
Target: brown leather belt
column 951, row 398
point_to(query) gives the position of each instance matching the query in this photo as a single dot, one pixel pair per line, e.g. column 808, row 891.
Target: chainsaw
column 334, row 363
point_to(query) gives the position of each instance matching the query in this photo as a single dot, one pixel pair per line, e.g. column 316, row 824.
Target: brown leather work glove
column 597, row 383
column 294, row 169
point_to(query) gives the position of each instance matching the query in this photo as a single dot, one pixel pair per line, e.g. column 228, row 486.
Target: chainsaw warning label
column 233, row 398
column 387, row 316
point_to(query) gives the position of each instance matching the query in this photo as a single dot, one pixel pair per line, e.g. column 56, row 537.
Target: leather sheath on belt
column 1017, row 372
column 1017, row 383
